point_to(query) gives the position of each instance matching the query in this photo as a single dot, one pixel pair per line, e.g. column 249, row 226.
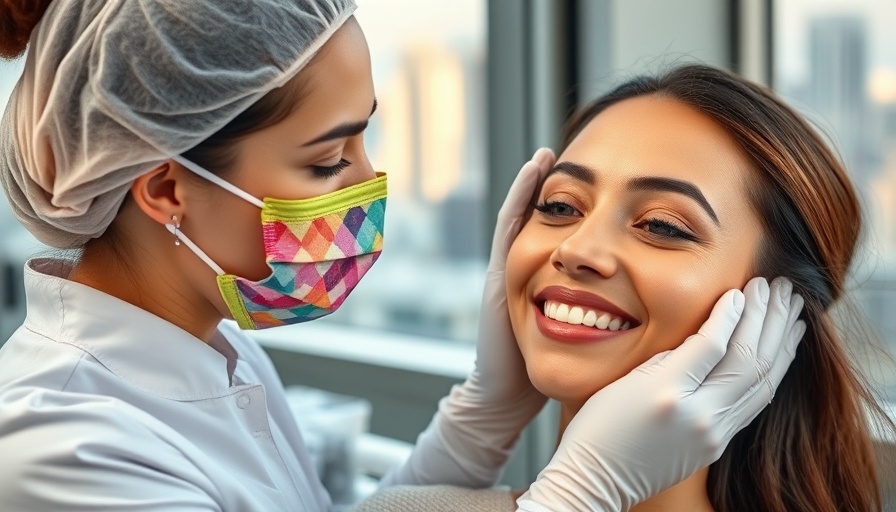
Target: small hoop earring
column 176, row 230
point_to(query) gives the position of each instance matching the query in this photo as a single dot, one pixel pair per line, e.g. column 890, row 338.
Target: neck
column 689, row 495
column 143, row 276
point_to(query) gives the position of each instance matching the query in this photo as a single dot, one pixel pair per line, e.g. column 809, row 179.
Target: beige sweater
column 437, row 498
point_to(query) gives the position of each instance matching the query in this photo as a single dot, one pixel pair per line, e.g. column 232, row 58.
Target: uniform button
column 243, row 401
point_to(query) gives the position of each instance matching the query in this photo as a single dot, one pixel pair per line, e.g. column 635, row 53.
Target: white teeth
column 590, row 318
column 562, row 314
column 577, row 315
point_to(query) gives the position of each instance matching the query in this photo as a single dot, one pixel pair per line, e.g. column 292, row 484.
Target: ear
column 159, row 193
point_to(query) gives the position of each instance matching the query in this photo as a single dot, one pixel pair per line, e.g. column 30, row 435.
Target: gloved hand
column 676, row 413
column 478, row 423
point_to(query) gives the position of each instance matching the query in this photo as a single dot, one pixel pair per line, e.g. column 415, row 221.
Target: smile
column 579, row 315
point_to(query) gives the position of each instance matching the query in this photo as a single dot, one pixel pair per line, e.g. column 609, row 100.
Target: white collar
column 137, row 346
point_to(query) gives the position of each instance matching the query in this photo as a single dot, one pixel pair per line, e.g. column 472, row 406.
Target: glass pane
column 429, row 134
column 836, row 61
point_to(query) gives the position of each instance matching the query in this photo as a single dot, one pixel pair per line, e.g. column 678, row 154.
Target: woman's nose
column 587, row 252
column 361, row 169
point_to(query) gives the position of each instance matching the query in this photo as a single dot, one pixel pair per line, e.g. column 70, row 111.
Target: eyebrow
column 655, row 183
column 644, row 183
column 579, row 172
column 344, row 130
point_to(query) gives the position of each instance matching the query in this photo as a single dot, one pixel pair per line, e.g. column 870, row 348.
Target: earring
column 176, row 230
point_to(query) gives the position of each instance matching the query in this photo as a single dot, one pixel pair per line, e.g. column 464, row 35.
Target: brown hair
column 218, row 152
column 810, row 449
column 17, row 19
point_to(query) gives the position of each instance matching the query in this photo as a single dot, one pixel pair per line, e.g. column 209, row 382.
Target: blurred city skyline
column 792, row 41
column 834, row 59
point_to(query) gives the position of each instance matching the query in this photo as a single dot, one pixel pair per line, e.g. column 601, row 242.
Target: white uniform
column 104, row 406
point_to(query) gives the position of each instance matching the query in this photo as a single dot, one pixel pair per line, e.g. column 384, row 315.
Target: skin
column 607, row 239
column 149, row 271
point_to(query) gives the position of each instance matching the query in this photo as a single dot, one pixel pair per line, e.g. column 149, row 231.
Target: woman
column 669, row 191
column 145, row 134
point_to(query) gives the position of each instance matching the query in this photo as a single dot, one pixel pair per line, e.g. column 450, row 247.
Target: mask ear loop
column 217, row 180
column 174, row 229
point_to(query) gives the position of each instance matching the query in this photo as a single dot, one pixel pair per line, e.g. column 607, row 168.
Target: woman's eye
column 665, row 229
column 557, row 209
column 330, row 171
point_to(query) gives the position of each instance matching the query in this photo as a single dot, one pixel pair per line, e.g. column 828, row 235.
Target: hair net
column 111, row 89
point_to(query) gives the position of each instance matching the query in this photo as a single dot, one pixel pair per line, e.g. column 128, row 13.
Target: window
column 13, row 241
column 429, row 66
column 836, row 61
column 429, row 134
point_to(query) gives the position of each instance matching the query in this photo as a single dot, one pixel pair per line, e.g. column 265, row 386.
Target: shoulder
column 90, row 449
column 437, row 498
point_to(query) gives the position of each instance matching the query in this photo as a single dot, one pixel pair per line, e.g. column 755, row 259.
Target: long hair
column 810, row 449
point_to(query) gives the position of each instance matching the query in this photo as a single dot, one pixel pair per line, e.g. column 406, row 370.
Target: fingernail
column 786, row 287
column 763, row 290
column 783, row 289
column 738, row 301
column 800, row 331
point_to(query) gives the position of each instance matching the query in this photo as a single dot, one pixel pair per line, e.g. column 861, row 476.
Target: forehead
column 337, row 84
column 659, row 136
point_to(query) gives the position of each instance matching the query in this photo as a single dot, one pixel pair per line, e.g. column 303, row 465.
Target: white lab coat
column 104, row 406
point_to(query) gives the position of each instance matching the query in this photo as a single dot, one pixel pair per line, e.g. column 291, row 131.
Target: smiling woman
column 668, row 192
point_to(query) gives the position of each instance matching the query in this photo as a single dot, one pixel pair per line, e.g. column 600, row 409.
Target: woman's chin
column 570, row 388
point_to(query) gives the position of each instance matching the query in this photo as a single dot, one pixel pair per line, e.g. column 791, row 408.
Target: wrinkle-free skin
column 606, row 238
column 336, row 88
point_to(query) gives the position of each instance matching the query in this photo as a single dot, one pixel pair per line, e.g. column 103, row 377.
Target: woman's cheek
column 689, row 294
column 523, row 259
column 679, row 302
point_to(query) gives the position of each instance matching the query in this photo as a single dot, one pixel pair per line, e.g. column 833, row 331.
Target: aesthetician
column 206, row 157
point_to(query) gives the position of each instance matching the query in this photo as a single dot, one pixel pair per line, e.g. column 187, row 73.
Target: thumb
column 701, row 352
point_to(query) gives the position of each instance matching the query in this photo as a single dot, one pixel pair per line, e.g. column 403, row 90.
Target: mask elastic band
column 217, row 180
column 193, row 247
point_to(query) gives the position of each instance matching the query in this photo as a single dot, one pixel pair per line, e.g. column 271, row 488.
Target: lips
column 577, row 316
column 584, row 300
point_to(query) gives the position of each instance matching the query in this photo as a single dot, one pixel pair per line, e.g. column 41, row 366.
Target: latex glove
column 676, row 413
column 478, row 423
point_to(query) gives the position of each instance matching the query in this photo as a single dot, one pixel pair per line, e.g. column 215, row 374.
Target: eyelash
column 672, row 230
column 330, row 171
column 677, row 232
column 546, row 208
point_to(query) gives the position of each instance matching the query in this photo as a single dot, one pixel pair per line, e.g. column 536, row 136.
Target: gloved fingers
column 796, row 307
column 782, row 360
column 519, row 196
column 517, row 201
column 737, row 370
column 762, row 393
column 694, row 359
column 748, row 332
column 777, row 322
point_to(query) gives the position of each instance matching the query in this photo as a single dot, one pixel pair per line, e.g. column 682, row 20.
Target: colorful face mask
column 318, row 250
